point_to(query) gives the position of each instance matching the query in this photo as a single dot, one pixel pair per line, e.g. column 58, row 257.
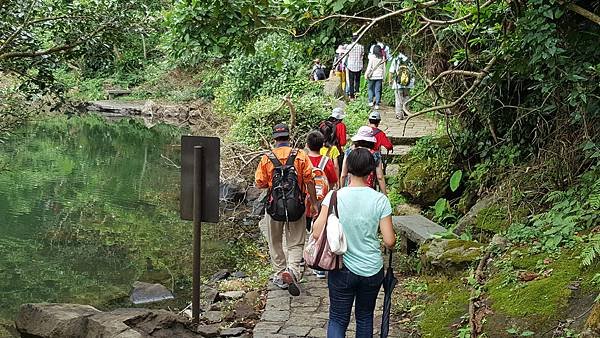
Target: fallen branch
column 475, row 306
column 583, row 12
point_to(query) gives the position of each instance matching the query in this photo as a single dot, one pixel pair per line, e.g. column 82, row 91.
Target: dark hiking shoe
column 278, row 282
column 289, row 278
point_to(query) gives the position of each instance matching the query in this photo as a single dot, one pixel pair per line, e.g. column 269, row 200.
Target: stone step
column 404, row 140
column 399, row 150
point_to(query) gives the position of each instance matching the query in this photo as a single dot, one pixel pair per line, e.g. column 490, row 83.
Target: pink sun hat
column 364, row 133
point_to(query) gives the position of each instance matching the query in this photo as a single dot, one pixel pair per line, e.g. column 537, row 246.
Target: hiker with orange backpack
column 324, row 176
column 287, row 173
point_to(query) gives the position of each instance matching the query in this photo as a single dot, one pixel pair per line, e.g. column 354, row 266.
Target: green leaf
column 440, row 207
column 455, row 180
column 527, row 334
column 512, row 330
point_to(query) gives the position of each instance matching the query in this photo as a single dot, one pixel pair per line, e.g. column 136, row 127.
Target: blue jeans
column 346, row 288
column 375, row 90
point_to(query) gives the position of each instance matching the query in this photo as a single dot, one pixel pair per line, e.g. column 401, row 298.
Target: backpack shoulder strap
column 292, row 157
column 274, row 159
column 323, row 162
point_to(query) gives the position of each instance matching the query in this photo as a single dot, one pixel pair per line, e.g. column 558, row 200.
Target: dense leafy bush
column 253, row 126
column 277, row 67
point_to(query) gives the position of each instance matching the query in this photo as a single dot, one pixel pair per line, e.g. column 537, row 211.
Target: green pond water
column 86, row 208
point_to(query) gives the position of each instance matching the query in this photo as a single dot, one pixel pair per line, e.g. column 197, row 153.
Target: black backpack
column 320, row 73
column 329, row 131
column 286, row 200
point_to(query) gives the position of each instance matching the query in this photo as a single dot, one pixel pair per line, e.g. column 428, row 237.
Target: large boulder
column 83, row 321
column 450, row 254
column 112, row 324
column 470, row 218
column 333, row 87
column 423, row 183
column 49, row 320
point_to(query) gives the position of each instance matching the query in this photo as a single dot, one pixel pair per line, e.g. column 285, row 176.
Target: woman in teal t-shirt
column 362, row 212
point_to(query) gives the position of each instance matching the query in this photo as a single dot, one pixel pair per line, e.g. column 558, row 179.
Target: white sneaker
column 376, row 106
column 319, row 274
column 370, row 104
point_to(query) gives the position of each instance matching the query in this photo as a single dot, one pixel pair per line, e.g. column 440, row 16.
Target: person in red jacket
column 382, row 139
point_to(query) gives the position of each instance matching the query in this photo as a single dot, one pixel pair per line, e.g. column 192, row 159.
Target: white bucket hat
column 338, row 113
column 364, row 133
column 375, row 115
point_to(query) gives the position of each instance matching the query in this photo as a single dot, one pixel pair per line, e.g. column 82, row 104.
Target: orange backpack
column 321, row 183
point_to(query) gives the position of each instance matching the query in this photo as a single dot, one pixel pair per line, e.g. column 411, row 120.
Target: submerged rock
column 144, row 293
column 450, row 253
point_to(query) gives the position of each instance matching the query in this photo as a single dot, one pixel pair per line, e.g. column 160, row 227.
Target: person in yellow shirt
column 333, row 153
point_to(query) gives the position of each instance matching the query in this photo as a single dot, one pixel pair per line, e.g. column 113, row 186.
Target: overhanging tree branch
column 479, row 76
column 453, row 21
column 583, row 12
column 56, row 49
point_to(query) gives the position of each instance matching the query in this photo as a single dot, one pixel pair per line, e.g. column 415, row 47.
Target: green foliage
column 591, row 250
column 357, row 113
column 197, row 29
column 276, row 68
column 570, row 212
column 254, row 126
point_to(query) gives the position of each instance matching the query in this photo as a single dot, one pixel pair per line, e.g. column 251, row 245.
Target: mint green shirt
column 360, row 210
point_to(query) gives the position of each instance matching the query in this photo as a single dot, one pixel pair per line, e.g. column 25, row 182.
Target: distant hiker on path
column 364, row 139
column 354, row 64
column 287, row 173
column 385, row 50
column 364, row 213
column 334, row 131
column 340, row 69
column 375, row 73
column 381, row 138
column 402, row 78
column 318, row 71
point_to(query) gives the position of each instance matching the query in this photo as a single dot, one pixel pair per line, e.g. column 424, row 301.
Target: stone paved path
column 306, row 315
column 417, row 127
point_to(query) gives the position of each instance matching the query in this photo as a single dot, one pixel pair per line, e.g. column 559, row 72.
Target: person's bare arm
column 319, row 223
column 387, row 230
column 344, row 173
column 381, row 178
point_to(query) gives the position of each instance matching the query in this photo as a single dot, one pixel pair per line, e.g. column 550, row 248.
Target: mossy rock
column 423, row 183
column 535, row 305
column 593, row 321
column 450, row 254
column 448, row 302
